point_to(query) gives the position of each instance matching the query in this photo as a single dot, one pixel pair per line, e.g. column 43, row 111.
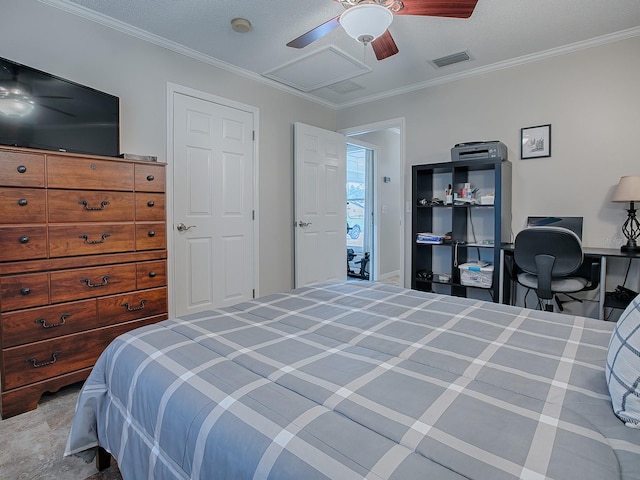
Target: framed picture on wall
column 535, row 142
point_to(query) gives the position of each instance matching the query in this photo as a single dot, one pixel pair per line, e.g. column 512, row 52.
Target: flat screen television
column 40, row 110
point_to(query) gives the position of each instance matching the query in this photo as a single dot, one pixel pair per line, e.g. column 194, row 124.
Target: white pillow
column 623, row 366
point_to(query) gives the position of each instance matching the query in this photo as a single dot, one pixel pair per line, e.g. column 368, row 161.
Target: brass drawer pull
column 25, row 291
column 34, row 362
column 94, row 242
column 43, row 321
column 21, row 169
column 150, row 203
column 24, row 239
column 105, row 281
column 150, row 178
column 134, row 309
column 103, row 204
column 23, row 202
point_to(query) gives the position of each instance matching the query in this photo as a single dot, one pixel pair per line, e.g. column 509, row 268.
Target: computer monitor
column 571, row 223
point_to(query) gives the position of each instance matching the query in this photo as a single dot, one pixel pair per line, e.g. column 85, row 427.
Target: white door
column 213, row 204
column 320, row 199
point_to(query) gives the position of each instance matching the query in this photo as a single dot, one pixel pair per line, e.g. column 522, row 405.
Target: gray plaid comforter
column 357, row 380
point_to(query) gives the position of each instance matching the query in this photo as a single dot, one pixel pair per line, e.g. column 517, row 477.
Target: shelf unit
column 477, row 231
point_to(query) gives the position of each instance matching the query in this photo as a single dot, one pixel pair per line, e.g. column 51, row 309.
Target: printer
column 479, row 151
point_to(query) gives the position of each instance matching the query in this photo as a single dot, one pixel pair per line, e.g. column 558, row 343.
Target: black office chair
column 550, row 261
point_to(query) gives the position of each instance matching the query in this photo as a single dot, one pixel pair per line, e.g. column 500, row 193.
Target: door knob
column 183, row 228
column 303, row 224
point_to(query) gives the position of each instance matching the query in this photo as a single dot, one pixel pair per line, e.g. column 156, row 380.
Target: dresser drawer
column 21, row 169
column 133, row 305
column 23, row 243
column 91, row 282
column 26, row 326
column 74, row 206
column 151, row 236
column 89, row 174
column 90, row 239
column 24, row 291
column 151, row 274
column 22, row 205
column 150, row 207
column 47, row 358
column 149, row 178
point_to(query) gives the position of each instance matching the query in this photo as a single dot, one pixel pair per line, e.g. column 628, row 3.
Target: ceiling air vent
column 451, row 59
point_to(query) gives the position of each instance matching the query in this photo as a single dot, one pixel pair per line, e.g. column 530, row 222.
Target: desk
column 600, row 254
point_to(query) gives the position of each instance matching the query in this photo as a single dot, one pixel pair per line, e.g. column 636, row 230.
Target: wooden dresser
column 83, row 259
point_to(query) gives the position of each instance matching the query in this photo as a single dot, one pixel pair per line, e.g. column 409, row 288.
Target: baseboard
column 382, row 276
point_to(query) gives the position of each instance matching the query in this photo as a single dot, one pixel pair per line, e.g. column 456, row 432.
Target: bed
column 355, row 380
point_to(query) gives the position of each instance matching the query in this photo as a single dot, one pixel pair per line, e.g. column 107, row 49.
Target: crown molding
column 136, row 32
column 514, row 62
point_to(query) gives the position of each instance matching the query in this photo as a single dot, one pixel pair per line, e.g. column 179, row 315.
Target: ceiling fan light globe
column 366, row 22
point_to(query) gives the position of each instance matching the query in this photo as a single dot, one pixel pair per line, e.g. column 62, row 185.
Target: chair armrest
column 590, row 269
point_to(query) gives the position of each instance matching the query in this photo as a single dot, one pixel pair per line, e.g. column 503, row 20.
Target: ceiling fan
column 367, row 20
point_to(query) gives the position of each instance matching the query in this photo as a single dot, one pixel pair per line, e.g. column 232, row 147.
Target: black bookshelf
column 476, row 230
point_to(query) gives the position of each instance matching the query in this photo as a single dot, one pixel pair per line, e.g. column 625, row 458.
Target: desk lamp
column 628, row 190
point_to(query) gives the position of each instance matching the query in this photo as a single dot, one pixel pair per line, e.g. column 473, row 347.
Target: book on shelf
column 429, row 238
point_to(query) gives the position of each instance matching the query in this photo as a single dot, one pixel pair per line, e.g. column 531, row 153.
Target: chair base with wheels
column 565, row 286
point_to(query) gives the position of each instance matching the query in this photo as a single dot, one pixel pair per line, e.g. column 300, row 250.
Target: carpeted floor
column 32, row 444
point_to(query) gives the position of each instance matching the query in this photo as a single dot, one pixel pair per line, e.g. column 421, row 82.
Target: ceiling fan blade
column 436, row 8
column 314, row 34
column 384, row 46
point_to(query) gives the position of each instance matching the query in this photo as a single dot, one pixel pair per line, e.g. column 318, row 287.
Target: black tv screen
column 39, row 110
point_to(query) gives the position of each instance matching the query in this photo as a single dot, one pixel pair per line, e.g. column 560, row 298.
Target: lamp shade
column 366, row 22
column 628, row 190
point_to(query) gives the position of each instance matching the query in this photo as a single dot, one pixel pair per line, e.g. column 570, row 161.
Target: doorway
column 387, row 138
column 361, row 195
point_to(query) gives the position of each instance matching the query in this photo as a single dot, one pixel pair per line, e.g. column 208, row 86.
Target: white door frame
column 172, row 89
column 399, row 123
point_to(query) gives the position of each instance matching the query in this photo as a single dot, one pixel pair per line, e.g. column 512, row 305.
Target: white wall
column 590, row 97
column 66, row 45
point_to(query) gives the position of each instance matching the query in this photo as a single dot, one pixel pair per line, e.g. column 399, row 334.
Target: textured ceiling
column 500, row 32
